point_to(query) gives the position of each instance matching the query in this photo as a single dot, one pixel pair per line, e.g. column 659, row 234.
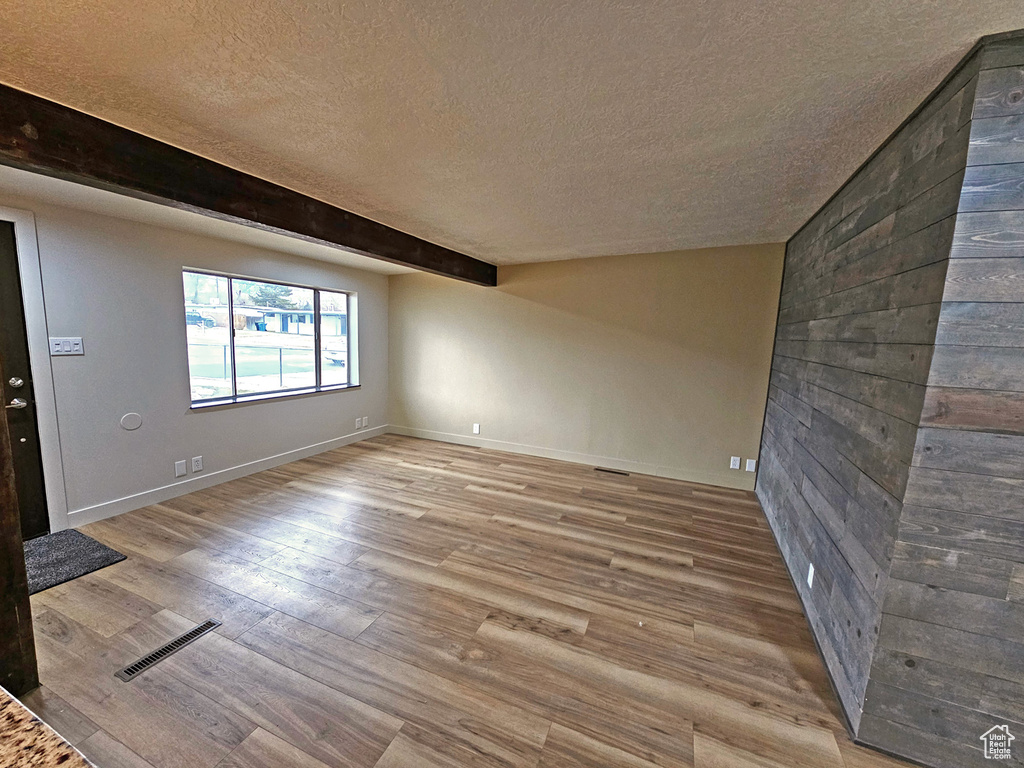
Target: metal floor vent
column 611, row 471
column 135, row 669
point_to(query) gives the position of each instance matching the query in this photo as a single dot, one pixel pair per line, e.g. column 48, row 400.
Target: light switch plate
column 61, row 346
column 179, row 469
column 751, row 465
column 366, row 421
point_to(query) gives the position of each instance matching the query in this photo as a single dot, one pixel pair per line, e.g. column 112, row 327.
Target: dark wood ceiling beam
column 41, row 136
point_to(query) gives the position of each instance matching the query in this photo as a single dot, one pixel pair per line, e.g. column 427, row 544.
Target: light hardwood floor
column 402, row 602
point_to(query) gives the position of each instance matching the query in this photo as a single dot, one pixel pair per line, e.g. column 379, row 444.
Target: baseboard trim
column 720, row 479
column 155, row 496
column 119, row 506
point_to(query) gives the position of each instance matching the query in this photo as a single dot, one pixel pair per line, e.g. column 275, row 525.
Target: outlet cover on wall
column 734, row 462
column 179, row 468
column 66, row 345
column 359, row 422
column 476, row 429
column 197, row 463
column 366, row 421
column 810, row 575
column 751, row 465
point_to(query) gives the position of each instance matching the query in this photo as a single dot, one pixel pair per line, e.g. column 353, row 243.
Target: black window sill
column 231, row 402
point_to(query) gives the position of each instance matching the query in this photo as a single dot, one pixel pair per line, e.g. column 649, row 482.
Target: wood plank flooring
column 402, row 603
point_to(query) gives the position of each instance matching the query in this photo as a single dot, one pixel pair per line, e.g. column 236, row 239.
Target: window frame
column 352, row 380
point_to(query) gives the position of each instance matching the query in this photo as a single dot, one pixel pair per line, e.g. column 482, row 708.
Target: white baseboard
column 157, row 495
column 724, row 479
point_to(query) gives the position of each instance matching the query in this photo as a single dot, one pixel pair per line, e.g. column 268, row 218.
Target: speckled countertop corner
column 26, row 741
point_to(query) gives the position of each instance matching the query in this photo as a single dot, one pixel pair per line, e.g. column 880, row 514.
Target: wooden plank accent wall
column 950, row 658
column 893, row 450
column 861, row 299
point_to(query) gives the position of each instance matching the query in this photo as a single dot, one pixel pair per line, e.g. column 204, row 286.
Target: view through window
column 248, row 338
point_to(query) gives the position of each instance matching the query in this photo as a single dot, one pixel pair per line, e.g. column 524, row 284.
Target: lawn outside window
column 254, row 339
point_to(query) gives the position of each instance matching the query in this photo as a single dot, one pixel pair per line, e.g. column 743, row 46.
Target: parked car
column 192, row 317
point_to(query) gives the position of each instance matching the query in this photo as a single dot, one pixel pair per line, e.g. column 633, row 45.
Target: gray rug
column 58, row 557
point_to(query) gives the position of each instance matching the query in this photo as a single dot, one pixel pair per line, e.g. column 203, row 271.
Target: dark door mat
column 58, row 557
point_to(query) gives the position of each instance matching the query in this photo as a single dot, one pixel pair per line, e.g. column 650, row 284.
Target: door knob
column 15, row 382
column 18, row 402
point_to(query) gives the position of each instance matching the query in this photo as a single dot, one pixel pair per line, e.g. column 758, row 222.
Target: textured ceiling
column 515, row 130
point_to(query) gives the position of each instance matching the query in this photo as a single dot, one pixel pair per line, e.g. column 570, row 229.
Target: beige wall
column 655, row 363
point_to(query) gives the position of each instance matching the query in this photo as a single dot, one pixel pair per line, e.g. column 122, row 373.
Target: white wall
column 117, row 283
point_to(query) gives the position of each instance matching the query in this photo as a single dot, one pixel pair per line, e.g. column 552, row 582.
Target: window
column 249, row 339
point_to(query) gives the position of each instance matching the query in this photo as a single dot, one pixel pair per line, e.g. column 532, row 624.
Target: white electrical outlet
column 810, row 575
column 197, row 463
column 751, row 465
column 359, row 422
column 734, row 462
column 366, row 421
column 179, row 468
column 476, row 429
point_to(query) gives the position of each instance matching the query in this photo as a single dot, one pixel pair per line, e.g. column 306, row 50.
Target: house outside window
column 249, row 339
